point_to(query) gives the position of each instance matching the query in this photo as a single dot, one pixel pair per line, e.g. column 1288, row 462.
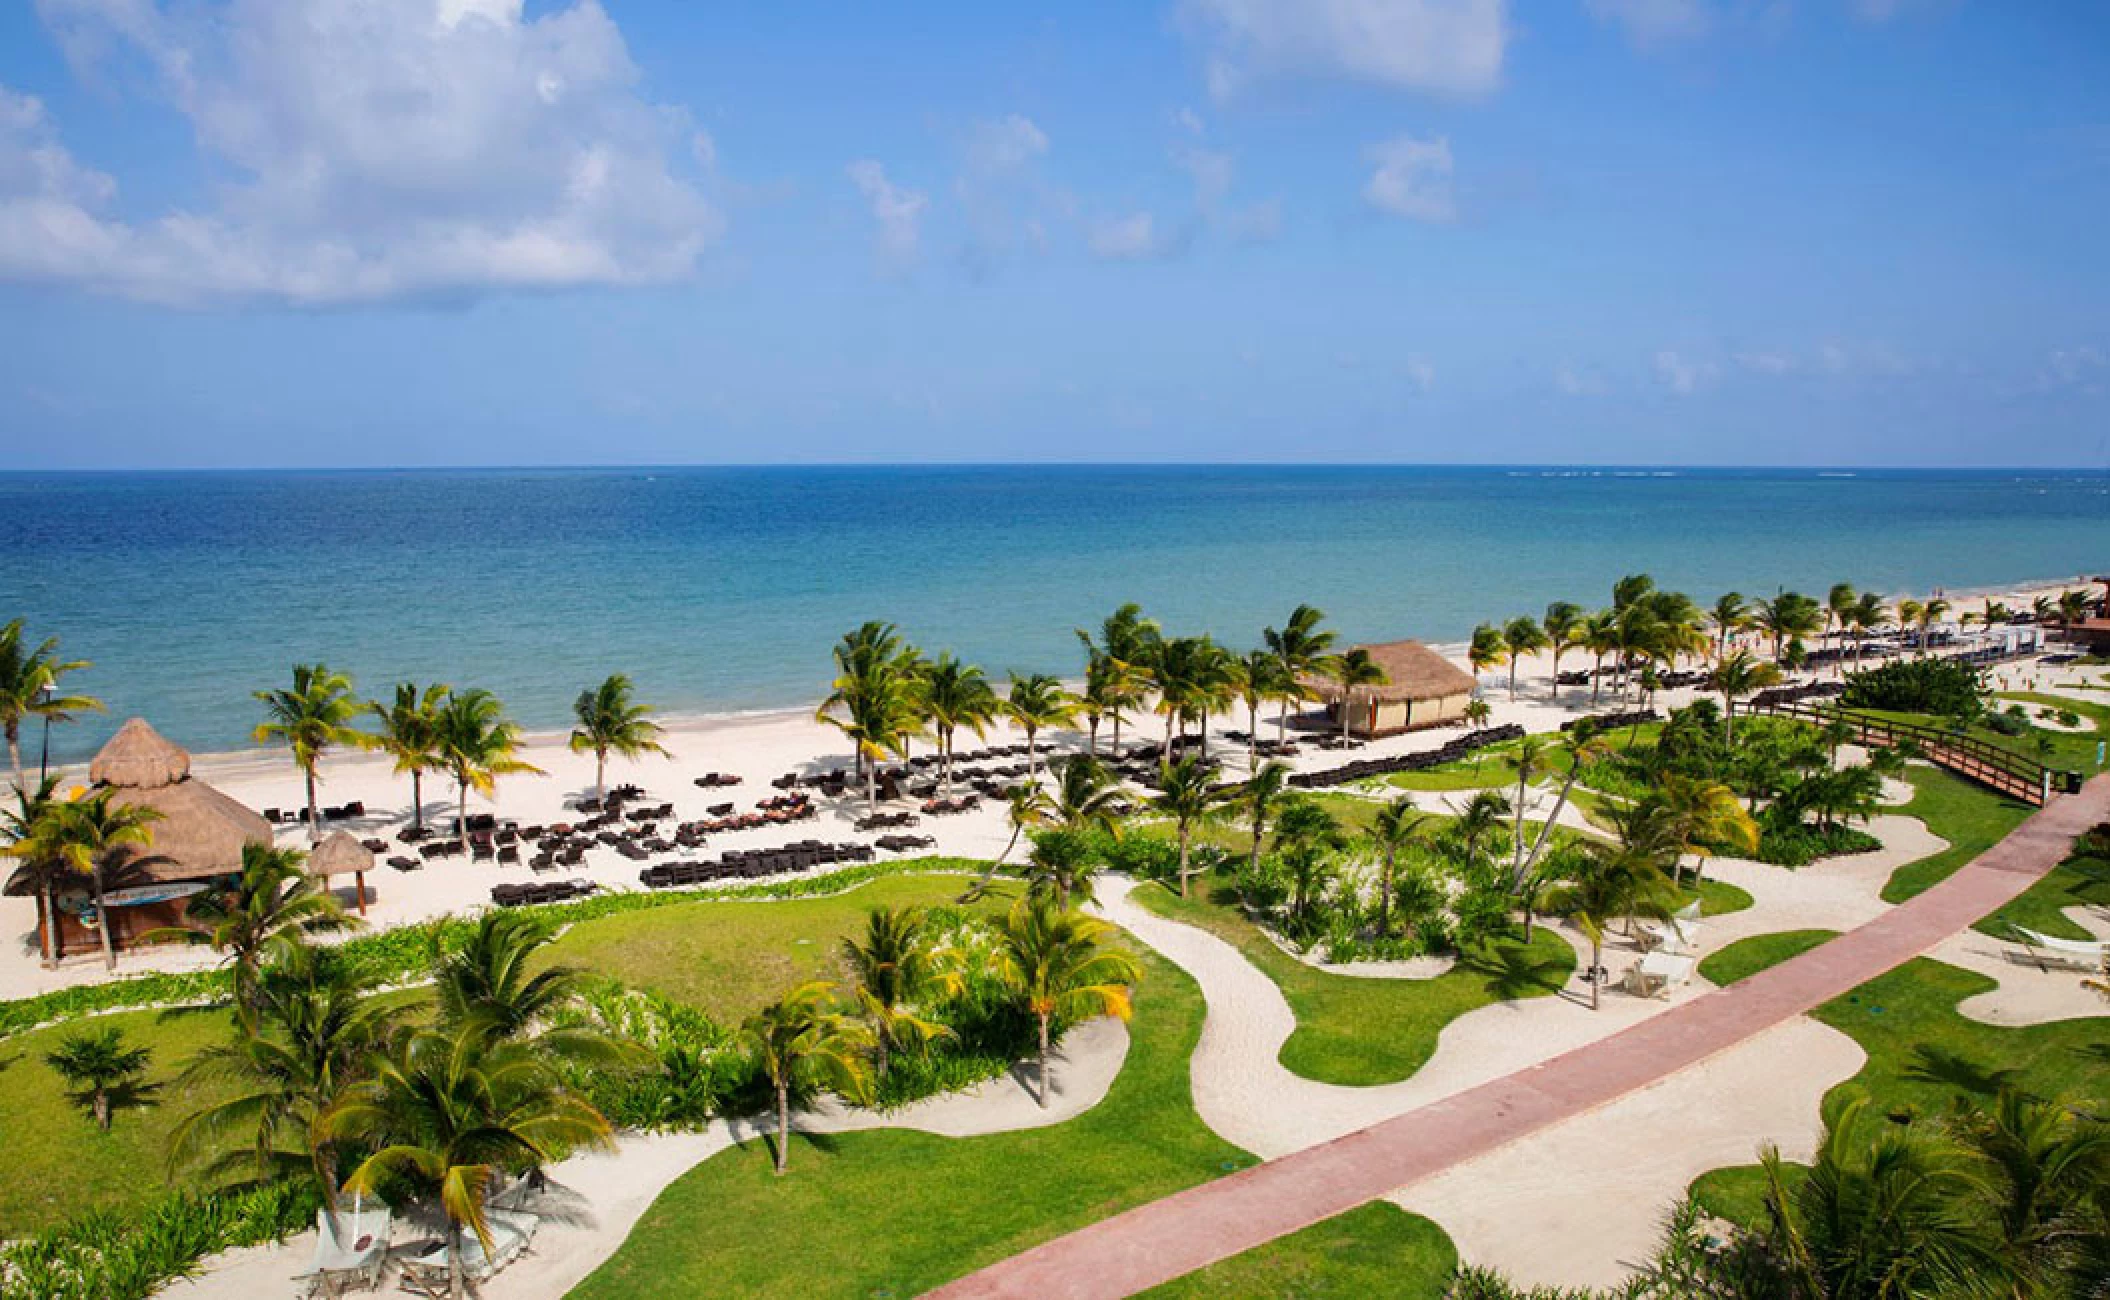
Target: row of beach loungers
column 1450, row 751
column 749, row 864
column 296, row 816
column 549, row 891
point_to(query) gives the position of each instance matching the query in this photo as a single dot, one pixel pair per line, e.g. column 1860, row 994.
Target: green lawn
column 1359, row 1031
column 2067, row 750
column 1969, row 816
column 894, row 1213
column 729, row 958
column 1922, row 1055
column 1747, row 957
column 2075, row 882
column 58, row 1165
column 1373, row 1250
column 1717, row 897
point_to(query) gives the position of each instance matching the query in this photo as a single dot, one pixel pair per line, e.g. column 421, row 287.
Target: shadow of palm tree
column 1513, row 971
column 1944, row 1068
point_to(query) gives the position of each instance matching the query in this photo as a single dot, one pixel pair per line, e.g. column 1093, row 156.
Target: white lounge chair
column 511, row 1231
column 1657, row 973
column 350, row 1249
column 1678, row 936
column 2073, row 954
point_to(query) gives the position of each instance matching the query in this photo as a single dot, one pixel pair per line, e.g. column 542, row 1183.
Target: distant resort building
column 1421, row 689
column 196, row 846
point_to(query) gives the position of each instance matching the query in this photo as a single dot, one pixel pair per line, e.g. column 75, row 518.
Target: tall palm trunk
column 14, row 753
column 945, row 757
column 1259, row 829
column 783, row 1124
column 1091, row 736
column 48, row 920
column 600, row 773
column 1384, row 899
column 1032, row 757
column 314, row 810
column 417, row 797
column 457, row 1284
column 102, row 916
column 871, row 786
column 1252, row 735
column 1043, row 1098
column 461, row 808
column 1185, row 833
column 1596, row 679
column 1596, row 984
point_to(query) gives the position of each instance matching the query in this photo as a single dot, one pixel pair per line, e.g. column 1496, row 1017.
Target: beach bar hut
column 1421, row 689
column 196, row 845
column 339, row 854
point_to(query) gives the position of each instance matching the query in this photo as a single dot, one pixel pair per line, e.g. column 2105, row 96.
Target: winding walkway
column 1174, row 1236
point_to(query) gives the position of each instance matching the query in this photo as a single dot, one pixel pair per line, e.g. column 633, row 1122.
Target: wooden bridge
column 2016, row 775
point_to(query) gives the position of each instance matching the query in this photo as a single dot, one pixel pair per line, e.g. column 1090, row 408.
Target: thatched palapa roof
column 1412, row 672
column 201, row 831
column 339, row 854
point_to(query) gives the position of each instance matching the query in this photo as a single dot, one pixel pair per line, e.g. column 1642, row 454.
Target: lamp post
column 44, row 762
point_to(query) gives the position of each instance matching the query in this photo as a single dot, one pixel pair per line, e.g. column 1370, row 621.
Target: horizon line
column 832, row 465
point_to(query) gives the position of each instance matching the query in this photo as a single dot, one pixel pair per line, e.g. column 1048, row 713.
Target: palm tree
column 1601, row 635
column 877, row 715
column 273, row 908
column 1396, row 827
column 896, row 968
column 2072, row 606
column 1582, row 749
column 801, row 1042
column 1488, row 649
column 498, row 983
column 1482, row 813
column 1930, row 613
column 29, row 688
column 409, row 733
column 312, row 718
column 955, row 695
column 1730, row 614
column 1788, row 616
column 1701, row 816
column 1301, row 646
column 1562, row 624
column 28, row 831
column 94, row 836
column 1476, row 712
column 1258, row 677
column 2041, row 1165
column 1059, row 867
column 611, row 722
column 1125, row 646
column 1352, row 672
column 102, row 1072
column 1839, row 608
column 1736, row 676
column 1259, row 798
column 1187, row 794
column 1036, row 702
column 1087, row 795
column 1614, row 880
column 1059, row 965
column 1306, row 839
column 1193, row 677
column 1890, row 1219
column 1521, row 636
column 1530, row 758
column 449, row 1111
column 317, row 1016
column 477, row 745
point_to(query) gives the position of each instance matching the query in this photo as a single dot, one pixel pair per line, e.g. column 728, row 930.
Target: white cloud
column 1578, row 381
column 2085, row 368
column 1129, row 238
column 396, row 148
column 898, row 211
column 1212, row 171
column 1005, row 143
column 1444, row 46
column 1652, row 23
column 1189, row 121
column 1767, row 363
column 1257, row 224
column 1682, row 375
column 1420, row 372
column 1412, row 178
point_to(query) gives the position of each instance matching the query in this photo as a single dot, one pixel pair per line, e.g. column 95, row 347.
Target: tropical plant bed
column 894, row 1212
column 1356, row 1031
column 1798, row 846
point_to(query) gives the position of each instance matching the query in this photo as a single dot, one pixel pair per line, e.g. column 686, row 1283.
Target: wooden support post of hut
column 338, row 854
column 1421, row 689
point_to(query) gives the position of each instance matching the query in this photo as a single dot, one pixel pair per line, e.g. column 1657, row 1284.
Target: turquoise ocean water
column 720, row 590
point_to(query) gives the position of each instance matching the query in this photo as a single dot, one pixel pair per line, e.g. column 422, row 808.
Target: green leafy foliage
column 1940, row 686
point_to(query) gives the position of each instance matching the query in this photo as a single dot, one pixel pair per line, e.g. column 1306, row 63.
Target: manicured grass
column 1923, row 1055
column 1717, row 897
column 1969, row 816
column 1359, row 1031
column 1489, row 773
column 2067, row 750
column 729, row 958
column 895, row 1212
column 2073, row 883
column 58, row 1165
column 1373, row 1250
column 1747, row 957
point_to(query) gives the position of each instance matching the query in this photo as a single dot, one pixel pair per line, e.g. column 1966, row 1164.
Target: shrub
column 1942, row 686
column 105, row 1255
column 1796, row 846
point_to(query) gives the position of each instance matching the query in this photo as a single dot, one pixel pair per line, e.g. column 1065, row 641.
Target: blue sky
column 409, row 232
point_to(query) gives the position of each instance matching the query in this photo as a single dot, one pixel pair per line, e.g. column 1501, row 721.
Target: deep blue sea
column 721, row 590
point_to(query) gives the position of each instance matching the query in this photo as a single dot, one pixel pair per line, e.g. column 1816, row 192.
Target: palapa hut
column 1421, row 689
column 196, row 844
column 339, row 854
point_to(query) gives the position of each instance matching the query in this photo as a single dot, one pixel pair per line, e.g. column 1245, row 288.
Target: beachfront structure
column 196, row 844
column 1421, row 689
column 340, row 854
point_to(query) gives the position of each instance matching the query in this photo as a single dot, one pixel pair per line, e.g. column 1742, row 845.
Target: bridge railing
column 1990, row 765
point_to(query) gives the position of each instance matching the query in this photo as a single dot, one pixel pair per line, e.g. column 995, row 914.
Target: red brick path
column 1168, row 1238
